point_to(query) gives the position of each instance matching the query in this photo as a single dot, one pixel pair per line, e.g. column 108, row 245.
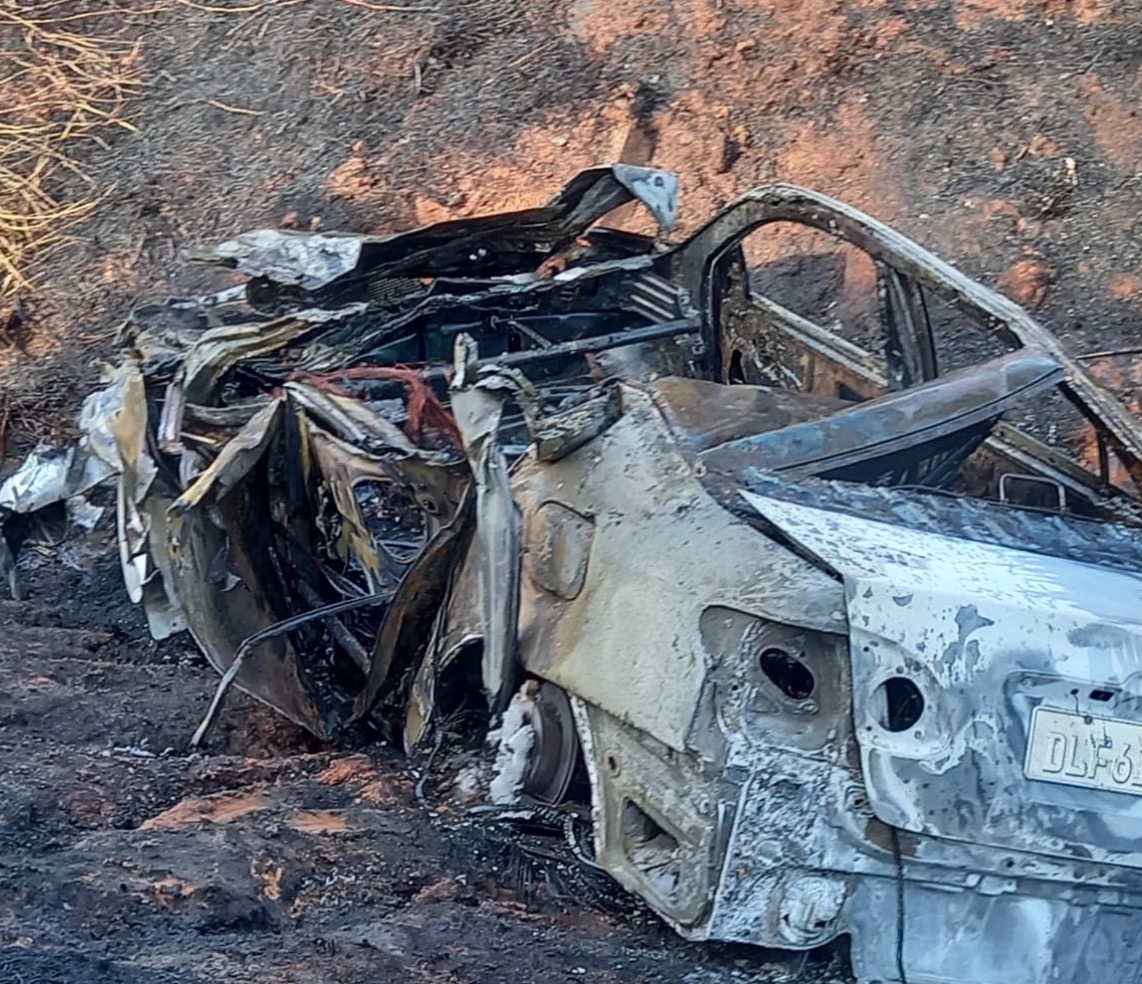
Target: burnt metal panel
column 983, row 637
column 868, row 437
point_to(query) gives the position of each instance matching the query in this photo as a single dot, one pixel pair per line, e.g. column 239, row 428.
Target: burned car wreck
column 827, row 641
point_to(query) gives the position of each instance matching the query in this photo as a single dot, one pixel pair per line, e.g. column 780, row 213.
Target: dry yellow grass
column 67, row 72
column 61, row 84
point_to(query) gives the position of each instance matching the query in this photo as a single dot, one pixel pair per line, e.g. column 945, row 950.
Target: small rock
column 1027, row 281
column 1043, row 146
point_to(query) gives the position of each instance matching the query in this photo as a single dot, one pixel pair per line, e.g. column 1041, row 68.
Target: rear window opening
column 802, row 288
column 817, row 276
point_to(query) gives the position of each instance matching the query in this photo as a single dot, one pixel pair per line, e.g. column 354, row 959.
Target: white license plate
column 1082, row 750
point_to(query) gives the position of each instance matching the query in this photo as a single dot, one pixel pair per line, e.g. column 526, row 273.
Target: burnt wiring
column 539, row 842
column 277, row 629
column 899, row 906
column 577, row 849
column 420, row 797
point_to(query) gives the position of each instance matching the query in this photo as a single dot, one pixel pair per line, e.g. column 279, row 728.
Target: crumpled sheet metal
column 342, row 467
column 217, row 548
column 316, row 260
column 49, row 475
column 415, row 606
column 213, row 527
column 115, row 422
column 479, row 406
column 310, row 260
column 137, row 471
column 219, row 349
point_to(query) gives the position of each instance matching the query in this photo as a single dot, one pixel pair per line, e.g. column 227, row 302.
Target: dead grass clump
column 59, row 86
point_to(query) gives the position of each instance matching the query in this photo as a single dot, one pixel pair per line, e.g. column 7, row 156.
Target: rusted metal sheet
column 479, row 407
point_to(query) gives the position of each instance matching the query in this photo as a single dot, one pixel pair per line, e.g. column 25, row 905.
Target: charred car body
column 839, row 648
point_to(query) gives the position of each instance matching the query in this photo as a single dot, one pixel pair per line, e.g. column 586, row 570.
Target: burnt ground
column 1003, row 134
column 126, row 859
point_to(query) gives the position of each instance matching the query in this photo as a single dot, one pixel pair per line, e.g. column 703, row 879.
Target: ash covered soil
column 125, row 859
column 1002, row 134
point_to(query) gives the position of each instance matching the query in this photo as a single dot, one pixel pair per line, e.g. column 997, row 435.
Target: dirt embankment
column 1003, row 134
